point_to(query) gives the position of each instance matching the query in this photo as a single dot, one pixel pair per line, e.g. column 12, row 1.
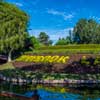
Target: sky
column 57, row 17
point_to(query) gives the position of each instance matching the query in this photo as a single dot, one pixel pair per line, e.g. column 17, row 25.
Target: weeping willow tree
column 13, row 28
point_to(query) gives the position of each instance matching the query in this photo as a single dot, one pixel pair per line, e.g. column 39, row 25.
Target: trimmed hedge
column 65, row 51
column 68, row 49
column 74, row 46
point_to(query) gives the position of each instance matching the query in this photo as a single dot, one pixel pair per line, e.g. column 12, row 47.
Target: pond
column 52, row 92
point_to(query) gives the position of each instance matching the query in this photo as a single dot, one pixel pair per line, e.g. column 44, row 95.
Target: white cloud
column 63, row 14
column 19, row 4
column 54, row 34
column 69, row 16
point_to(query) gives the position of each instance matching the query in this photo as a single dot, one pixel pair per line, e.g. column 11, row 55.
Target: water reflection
column 53, row 92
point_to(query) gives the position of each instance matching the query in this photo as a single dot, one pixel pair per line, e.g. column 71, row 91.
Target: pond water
column 52, row 92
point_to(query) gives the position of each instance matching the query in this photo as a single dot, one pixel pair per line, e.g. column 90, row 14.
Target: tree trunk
column 9, row 56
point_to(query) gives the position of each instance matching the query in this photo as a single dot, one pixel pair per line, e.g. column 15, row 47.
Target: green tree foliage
column 1, row 0
column 13, row 28
column 63, row 41
column 70, row 37
column 67, row 40
column 50, row 42
column 44, row 39
column 87, row 31
column 34, row 42
column 31, row 43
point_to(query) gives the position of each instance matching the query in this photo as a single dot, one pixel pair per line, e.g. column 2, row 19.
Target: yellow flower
column 84, row 57
column 44, row 59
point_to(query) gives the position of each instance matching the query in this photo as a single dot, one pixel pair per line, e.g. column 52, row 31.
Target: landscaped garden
column 41, row 68
column 27, row 62
column 67, row 49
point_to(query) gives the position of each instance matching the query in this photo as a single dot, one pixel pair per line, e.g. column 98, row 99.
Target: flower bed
column 43, row 59
column 76, row 64
column 95, row 61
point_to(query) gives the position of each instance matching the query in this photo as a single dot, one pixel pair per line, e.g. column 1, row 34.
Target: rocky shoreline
column 21, row 81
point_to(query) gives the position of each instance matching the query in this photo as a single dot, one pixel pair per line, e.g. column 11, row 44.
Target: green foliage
column 64, row 51
column 72, row 46
column 13, row 28
column 44, row 39
column 97, row 60
column 1, row 0
column 63, row 41
column 48, row 76
column 84, row 61
column 68, row 49
column 87, row 31
column 6, row 66
column 35, row 42
column 31, row 43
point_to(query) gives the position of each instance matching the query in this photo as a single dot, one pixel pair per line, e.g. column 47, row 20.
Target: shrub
column 97, row 61
column 84, row 61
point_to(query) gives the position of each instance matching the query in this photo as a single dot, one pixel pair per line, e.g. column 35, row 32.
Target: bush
column 97, row 61
column 84, row 61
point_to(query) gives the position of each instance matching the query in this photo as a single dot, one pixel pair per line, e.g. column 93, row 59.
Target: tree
column 44, row 38
column 63, row 41
column 13, row 28
column 1, row 0
column 34, row 42
column 70, row 37
column 79, row 30
column 67, row 40
column 50, row 42
column 87, row 31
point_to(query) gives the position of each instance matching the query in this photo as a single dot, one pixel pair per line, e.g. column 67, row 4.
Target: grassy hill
column 68, row 49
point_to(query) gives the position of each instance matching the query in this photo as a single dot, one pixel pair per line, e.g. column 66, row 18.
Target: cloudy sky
column 57, row 17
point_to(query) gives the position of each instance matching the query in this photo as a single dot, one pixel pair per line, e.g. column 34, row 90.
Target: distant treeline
column 86, row 31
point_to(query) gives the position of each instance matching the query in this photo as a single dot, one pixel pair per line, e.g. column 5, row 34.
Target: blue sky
column 57, row 17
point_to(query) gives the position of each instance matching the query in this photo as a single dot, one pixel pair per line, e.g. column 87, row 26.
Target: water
column 48, row 95
column 52, row 92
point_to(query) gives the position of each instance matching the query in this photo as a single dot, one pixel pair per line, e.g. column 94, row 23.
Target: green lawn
column 6, row 66
column 68, row 49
